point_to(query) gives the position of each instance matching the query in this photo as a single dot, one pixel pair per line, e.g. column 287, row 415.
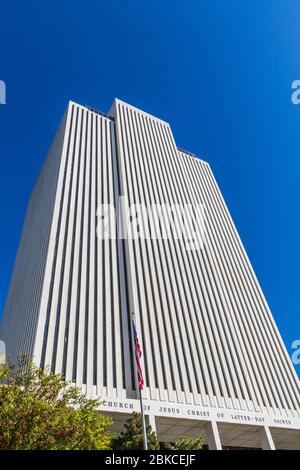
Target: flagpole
column 143, row 423
column 145, row 443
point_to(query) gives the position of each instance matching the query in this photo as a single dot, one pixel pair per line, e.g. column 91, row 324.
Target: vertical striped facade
column 207, row 334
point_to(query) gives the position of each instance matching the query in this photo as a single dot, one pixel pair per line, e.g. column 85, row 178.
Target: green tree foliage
column 184, row 443
column 132, row 438
column 39, row 410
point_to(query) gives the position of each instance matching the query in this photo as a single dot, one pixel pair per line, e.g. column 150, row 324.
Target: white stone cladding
column 207, row 334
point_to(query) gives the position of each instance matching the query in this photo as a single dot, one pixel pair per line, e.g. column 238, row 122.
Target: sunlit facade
column 214, row 362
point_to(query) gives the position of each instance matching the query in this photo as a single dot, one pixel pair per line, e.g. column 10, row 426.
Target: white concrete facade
column 211, row 349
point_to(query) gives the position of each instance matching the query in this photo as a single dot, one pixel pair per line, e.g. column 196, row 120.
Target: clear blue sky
column 219, row 71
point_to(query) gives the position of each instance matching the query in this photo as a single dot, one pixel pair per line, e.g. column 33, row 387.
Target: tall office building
column 213, row 360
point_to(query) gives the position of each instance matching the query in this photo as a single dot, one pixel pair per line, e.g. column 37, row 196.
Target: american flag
column 138, row 355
